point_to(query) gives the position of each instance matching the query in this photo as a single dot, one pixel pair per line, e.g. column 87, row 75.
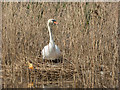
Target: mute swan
column 51, row 51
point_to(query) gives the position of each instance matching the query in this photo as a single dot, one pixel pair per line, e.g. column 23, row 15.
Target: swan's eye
column 54, row 20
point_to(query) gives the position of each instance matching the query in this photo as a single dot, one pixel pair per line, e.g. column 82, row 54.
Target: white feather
column 51, row 51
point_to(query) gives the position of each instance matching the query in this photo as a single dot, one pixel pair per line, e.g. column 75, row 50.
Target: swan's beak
column 55, row 23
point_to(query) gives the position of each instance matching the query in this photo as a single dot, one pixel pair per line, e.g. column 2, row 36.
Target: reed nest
column 44, row 74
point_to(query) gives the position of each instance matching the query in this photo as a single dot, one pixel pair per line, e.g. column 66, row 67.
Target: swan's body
column 51, row 51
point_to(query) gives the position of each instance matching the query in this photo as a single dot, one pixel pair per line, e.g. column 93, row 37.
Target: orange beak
column 55, row 22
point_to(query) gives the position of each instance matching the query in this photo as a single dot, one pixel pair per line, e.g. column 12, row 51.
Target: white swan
column 51, row 51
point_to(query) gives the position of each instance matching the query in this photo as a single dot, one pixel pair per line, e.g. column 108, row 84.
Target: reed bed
column 87, row 35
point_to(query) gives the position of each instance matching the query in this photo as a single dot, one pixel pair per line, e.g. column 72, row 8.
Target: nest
column 44, row 74
column 50, row 74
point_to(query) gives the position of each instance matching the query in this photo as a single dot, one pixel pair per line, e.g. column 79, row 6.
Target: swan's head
column 52, row 21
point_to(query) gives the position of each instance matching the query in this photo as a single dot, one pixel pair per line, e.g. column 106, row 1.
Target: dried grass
column 86, row 35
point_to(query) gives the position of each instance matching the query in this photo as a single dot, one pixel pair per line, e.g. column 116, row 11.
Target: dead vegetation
column 87, row 36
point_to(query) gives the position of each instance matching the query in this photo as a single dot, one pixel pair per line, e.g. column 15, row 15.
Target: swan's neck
column 50, row 34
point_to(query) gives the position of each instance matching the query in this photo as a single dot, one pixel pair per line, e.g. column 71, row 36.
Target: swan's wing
column 45, row 51
column 57, row 49
column 50, row 52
